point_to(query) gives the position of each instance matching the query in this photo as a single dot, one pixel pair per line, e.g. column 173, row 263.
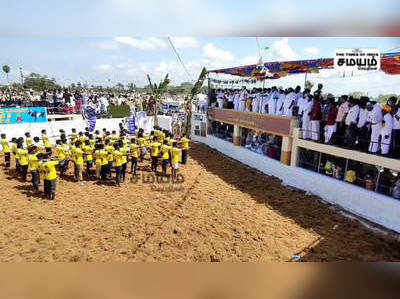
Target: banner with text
column 357, row 60
column 14, row 115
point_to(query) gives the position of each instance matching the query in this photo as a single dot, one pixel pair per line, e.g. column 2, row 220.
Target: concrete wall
column 374, row 207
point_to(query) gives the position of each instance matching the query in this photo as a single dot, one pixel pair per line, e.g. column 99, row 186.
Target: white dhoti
column 385, row 141
column 375, row 133
column 255, row 106
column 306, row 127
column 315, row 130
column 242, row 105
column 220, row 103
column 236, row 105
column 329, row 130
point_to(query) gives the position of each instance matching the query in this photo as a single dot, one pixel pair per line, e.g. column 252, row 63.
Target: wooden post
column 236, row 135
column 286, row 150
column 295, row 148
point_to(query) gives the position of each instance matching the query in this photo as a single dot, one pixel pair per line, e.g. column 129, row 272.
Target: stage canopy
column 390, row 64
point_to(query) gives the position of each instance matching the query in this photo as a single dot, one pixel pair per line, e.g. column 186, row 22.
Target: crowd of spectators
column 354, row 123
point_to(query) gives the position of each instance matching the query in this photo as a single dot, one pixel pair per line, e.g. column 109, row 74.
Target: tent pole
column 305, row 80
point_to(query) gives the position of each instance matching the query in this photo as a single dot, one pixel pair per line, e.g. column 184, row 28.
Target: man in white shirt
column 305, row 115
column 231, row 96
column 220, row 98
column 289, row 103
column 362, row 128
column 280, row 101
column 256, row 101
column 263, row 108
column 374, row 118
column 243, row 95
column 351, row 123
column 386, row 130
column 396, row 132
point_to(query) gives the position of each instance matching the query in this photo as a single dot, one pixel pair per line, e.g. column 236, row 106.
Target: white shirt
column 279, row 104
column 352, row 115
column 362, row 118
column 288, row 104
column 388, row 126
column 396, row 122
column 375, row 115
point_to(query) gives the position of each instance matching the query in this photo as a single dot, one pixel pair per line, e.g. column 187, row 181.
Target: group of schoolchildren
column 95, row 154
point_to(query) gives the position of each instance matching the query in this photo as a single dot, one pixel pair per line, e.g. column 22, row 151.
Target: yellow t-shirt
column 104, row 157
column 78, row 156
column 124, row 150
column 141, row 141
column 28, row 141
column 33, row 162
column 175, row 153
column 92, row 142
column 117, row 158
column 50, row 170
column 88, row 150
column 134, row 150
column 46, row 141
column 154, row 148
column 185, row 143
column 97, row 157
column 171, row 141
column 61, row 152
column 14, row 148
column 165, row 151
column 23, row 156
column 161, row 137
column 6, row 146
column 110, row 150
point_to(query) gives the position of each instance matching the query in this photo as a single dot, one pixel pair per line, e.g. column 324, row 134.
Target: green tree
column 39, row 82
column 158, row 91
column 309, row 85
column 193, row 93
column 6, row 70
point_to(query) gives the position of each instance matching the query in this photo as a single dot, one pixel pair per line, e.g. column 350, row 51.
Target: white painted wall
column 372, row 206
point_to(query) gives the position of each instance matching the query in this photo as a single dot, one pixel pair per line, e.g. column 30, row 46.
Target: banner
column 357, row 60
column 22, row 115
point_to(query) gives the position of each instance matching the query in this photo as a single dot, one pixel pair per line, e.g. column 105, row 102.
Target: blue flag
column 89, row 114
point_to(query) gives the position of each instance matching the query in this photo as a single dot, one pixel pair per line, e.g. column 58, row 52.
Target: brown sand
column 224, row 211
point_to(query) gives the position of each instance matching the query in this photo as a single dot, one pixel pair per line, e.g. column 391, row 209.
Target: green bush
column 119, row 111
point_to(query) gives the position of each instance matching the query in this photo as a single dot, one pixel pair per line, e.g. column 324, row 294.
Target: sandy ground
column 223, row 211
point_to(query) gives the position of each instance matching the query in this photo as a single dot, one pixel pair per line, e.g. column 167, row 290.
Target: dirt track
column 224, row 211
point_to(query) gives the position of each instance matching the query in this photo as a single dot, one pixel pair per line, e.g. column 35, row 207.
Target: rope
column 179, row 59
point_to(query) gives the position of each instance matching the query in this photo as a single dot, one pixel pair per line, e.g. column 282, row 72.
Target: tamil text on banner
column 14, row 115
column 364, row 59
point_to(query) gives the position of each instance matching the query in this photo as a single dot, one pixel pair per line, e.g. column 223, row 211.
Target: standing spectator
column 351, row 123
column 341, row 115
column 330, row 127
column 315, row 118
column 362, row 128
column 396, row 132
column 386, row 130
column 305, row 116
column 374, row 118
column 243, row 95
column 279, row 99
column 289, row 103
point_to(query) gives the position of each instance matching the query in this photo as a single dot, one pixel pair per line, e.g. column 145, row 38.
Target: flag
column 89, row 114
column 131, row 125
column 265, row 48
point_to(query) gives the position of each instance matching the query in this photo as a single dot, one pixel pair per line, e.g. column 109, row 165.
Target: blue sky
column 122, row 40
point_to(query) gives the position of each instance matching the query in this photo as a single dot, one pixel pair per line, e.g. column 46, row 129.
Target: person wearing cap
column 351, row 123
column 374, row 119
column 386, row 130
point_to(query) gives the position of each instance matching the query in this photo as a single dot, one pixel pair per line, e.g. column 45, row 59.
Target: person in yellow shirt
column 154, row 151
column 14, row 148
column 185, row 148
column 61, row 156
column 104, row 163
column 117, row 163
column 134, row 151
column 23, row 161
column 88, row 152
column 74, row 135
column 28, row 139
column 6, row 150
column 46, row 142
column 110, row 149
column 175, row 153
column 123, row 148
column 165, row 149
column 33, row 163
column 97, row 159
column 78, row 158
column 39, row 148
column 50, row 177
column 142, row 146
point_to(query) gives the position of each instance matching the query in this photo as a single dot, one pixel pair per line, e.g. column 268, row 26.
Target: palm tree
column 6, row 70
column 158, row 91
column 193, row 92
